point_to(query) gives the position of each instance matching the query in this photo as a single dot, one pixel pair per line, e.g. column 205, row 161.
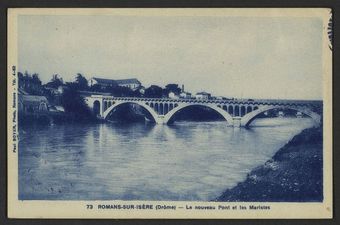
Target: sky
column 242, row 57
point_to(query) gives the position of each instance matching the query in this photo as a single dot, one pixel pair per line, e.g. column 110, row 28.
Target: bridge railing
column 217, row 101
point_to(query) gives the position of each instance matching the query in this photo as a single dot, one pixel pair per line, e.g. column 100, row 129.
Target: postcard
column 212, row 113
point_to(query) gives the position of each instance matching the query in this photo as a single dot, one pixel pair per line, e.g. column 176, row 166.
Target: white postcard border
column 89, row 209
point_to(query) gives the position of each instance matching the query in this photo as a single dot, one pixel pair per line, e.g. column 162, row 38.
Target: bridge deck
column 217, row 101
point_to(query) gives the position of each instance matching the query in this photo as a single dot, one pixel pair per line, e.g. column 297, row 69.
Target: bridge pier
column 237, row 121
column 160, row 119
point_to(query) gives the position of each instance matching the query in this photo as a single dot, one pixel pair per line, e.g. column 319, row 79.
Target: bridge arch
column 223, row 113
column 231, row 110
column 105, row 105
column 249, row 109
column 250, row 117
column 155, row 107
column 143, row 105
column 166, row 108
column 237, row 110
column 243, row 110
column 161, row 109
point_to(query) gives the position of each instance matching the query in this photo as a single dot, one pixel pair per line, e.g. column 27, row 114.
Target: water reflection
column 142, row 161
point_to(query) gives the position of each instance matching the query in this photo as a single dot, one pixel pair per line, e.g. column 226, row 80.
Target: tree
column 172, row 88
column 82, row 82
column 55, row 81
column 35, row 78
column 74, row 104
column 137, row 93
column 30, row 83
column 154, row 91
column 96, row 88
column 119, row 91
column 20, row 75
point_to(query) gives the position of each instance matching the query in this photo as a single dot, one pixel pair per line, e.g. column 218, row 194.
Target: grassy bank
column 294, row 174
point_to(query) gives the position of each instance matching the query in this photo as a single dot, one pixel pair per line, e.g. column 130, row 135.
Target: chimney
column 182, row 87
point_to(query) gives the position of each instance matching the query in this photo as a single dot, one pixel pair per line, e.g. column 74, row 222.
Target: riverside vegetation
column 294, row 174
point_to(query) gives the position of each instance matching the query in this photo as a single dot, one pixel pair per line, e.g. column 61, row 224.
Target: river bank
column 47, row 119
column 294, row 174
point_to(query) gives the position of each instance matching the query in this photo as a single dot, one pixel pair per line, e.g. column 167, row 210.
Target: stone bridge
column 239, row 112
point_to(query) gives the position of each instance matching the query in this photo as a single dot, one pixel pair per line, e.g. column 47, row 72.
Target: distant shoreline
column 294, row 174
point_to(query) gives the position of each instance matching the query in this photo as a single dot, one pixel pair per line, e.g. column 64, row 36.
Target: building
column 102, row 82
column 141, row 90
column 56, row 91
column 172, row 95
column 185, row 94
column 221, row 98
column 34, row 104
column 133, row 83
column 203, row 95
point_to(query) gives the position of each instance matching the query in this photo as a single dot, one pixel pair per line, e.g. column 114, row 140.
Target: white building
column 141, row 90
column 133, row 83
column 172, row 95
column 203, row 95
column 185, row 95
column 220, row 98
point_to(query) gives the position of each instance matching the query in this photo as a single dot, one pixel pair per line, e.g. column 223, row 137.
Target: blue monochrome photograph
column 171, row 108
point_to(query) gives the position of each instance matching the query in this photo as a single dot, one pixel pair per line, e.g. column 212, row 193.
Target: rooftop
column 128, row 81
column 33, row 98
column 203, row 93
column 22, row 92
column 121, row 81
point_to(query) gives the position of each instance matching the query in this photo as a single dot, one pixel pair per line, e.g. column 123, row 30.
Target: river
column 192, row 161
